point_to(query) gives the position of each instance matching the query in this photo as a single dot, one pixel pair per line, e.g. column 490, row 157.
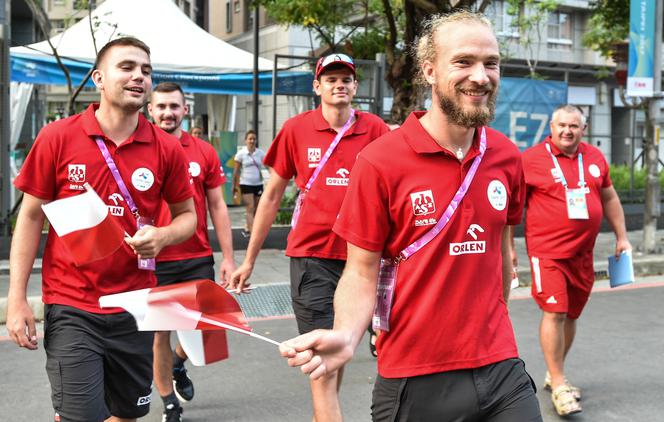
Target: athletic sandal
column 564, row 401
column 576, row 391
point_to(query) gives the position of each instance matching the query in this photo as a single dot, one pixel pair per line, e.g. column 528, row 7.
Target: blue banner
column 47, row 72
column 641, row 67
column 524, row 108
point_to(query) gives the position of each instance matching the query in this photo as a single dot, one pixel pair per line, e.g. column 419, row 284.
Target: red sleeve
column 177, row 181
column 364, row 218
column 214, row 172
column 517, row 194
column 280, row 155
column 37, row 175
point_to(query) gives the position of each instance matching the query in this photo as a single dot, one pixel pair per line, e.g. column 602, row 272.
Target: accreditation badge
column 577, row 208
column 387, row 280
column 148, row 264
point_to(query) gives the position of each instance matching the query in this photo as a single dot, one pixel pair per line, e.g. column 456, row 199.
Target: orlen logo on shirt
column 314, row 156
column 117, row 209
column 338, row 181
column 470, row 247
column 423, row 202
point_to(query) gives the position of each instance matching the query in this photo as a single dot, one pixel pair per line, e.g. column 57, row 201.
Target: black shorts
column 256, row 190
column 172, row 272
column 98, row 364
column 500, row 392
column 313, row 282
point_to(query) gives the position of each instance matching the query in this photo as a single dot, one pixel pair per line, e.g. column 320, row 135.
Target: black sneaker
column 172, row 413
column 182, row 384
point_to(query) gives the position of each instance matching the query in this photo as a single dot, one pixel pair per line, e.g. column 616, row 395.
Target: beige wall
column 62, row 11
column 240, row 24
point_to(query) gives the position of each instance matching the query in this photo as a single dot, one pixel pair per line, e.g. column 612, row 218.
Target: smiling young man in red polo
column 299, row 151
column 98, row 364
column 436, row 222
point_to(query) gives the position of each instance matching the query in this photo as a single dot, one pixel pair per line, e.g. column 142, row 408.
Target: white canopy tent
column 178, row 45
column 181, row 52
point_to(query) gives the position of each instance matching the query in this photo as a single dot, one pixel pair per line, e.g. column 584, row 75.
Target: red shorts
column 562, row 285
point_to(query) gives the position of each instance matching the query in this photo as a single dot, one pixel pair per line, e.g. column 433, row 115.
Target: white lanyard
column 582, row 179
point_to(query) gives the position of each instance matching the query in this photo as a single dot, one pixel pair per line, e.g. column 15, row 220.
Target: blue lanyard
column 582, row 179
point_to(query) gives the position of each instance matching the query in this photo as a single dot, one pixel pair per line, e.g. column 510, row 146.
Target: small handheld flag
column 199, row 305
column 85, row 226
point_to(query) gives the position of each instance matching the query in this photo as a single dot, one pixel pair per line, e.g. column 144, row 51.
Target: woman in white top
column 247, row 177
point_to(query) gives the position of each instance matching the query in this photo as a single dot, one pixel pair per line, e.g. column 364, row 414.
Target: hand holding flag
column 198, row 305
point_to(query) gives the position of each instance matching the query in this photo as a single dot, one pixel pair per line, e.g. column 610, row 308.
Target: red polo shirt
column 295, row 152
column 64, row 157
column 549, row 232
column 448, row 311
column 206, row 172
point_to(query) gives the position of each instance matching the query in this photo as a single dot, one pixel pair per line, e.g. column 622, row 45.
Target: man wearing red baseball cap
column 318, row 148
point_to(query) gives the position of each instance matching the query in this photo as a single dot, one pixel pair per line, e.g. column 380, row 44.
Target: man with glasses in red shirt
column 318, row 148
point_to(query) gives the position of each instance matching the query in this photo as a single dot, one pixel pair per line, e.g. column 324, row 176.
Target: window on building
column 248, row 19
column 237, row 6
column 229, row 17
column 559, row 31
column 187, row 8
column 57, row 26
column 502, row 21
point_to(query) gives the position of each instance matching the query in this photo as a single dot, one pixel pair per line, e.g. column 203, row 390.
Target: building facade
column 552, row 49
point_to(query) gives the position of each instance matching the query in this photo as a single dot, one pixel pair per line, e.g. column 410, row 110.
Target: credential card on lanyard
column 577, row 208
column 575, row 199
column 387, row 276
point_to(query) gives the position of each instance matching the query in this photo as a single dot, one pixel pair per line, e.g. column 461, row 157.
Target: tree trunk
column 403, row 69
column 400, row 77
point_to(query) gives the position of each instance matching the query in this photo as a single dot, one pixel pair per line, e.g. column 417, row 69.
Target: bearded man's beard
column 476, row 117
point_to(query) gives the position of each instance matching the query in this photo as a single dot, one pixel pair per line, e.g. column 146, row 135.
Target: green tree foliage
column 324, row 17
column 608, row 25
column 366, row 27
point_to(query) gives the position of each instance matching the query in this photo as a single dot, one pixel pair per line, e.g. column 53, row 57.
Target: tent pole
column 255, row 84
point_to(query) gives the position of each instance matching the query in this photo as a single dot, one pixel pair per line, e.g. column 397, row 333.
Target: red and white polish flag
column 196, row 309
column 85, row 226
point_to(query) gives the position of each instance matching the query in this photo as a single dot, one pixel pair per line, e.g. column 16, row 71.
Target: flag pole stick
column 236, row 329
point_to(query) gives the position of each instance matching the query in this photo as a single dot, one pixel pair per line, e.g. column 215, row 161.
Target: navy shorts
column 500, row 392
column 98, row 364
column 172, row 272
column 313, row 283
